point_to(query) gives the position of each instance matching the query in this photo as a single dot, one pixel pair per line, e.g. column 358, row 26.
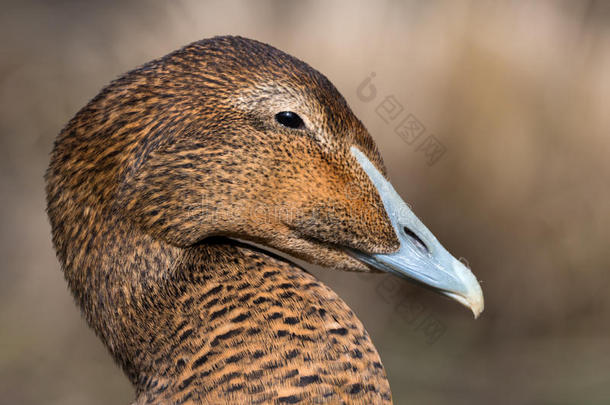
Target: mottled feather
column 151, row 182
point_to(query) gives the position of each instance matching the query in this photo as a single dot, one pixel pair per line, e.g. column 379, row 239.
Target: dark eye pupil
column 289, row 119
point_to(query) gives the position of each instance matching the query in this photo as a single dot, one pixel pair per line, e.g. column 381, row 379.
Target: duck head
column 232, row 137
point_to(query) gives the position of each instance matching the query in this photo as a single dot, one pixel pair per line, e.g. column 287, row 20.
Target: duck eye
column 289, row 119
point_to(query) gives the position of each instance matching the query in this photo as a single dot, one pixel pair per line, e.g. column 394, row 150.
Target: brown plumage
column 151, row 183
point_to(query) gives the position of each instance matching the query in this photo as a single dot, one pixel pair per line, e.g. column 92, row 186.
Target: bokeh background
column 517, row 94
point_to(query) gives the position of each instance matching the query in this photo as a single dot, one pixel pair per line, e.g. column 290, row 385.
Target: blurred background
column 514, row 97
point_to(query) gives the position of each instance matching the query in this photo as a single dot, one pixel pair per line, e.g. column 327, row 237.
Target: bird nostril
column 416, row 240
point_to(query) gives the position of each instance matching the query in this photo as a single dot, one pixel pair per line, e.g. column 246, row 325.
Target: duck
column 179, row 198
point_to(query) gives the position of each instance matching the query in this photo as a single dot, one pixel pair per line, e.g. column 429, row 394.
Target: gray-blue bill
column 421, row 257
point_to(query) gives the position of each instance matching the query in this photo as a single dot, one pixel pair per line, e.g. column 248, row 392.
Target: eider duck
column 164, row 193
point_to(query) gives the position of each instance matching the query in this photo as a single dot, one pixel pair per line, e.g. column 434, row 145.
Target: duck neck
column 115, row 273
column 219, row 320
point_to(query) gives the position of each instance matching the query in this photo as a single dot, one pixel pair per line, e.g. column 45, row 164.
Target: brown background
column 517, row 92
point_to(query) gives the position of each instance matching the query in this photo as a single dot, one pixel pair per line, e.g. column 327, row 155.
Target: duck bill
column 420, row 257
